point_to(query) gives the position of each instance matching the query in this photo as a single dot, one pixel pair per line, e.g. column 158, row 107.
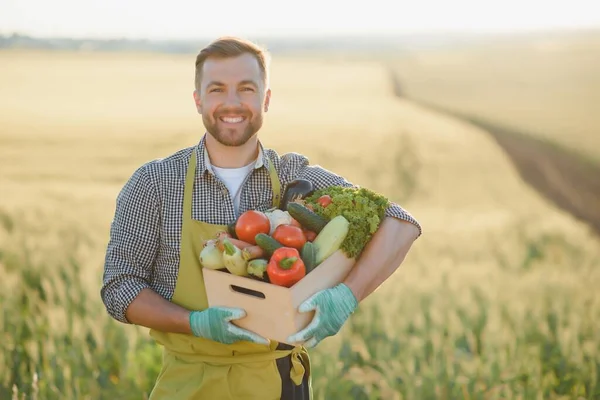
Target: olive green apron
column 198, row 368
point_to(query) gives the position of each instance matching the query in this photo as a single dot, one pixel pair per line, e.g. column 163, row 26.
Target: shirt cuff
column 120, row 296
column 394, row 210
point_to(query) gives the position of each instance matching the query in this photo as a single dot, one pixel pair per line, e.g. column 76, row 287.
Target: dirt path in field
column 570, row 182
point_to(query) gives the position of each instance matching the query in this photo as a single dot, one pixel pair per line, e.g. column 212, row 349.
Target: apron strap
column 189, row 183
column 275, row 184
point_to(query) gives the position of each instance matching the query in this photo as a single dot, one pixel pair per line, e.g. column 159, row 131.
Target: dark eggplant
column 231, row 229
column 296, row 189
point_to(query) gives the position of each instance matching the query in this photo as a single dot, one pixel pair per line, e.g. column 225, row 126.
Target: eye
column 247, row 89
column 215, row 90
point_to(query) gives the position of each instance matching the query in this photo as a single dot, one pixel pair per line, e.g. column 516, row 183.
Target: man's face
column 232, row 98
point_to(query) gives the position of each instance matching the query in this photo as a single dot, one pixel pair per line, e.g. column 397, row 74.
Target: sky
column 185, row 19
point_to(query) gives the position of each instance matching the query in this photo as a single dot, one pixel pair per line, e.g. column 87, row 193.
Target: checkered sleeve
column 396, row 211
column 298, row 167
column 132, row 246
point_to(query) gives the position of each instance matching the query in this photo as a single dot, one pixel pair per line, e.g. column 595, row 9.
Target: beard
column 234, row 136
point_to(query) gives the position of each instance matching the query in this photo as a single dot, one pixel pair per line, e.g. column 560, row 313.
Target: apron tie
column 299, row 357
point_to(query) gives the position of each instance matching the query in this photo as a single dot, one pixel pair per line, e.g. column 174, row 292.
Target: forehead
column 231, row 70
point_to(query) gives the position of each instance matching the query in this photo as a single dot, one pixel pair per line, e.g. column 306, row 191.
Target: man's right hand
column 214, row 323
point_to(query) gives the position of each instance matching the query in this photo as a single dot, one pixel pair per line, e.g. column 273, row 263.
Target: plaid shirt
column 143, row 249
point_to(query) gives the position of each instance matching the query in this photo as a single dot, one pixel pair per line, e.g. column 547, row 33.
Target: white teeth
column 232, row 120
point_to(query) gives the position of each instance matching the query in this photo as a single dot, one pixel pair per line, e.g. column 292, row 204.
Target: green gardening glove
column 214, row 323
column 332, row 309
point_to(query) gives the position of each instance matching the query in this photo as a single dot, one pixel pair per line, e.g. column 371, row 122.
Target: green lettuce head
column 363, row 208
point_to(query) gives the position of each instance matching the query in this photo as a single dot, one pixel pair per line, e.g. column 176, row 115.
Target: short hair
column 229, row 46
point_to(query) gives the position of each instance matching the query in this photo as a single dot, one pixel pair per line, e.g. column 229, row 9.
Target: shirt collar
column 204, row 159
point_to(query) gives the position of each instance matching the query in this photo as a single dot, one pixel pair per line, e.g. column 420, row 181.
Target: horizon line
column 328, row 36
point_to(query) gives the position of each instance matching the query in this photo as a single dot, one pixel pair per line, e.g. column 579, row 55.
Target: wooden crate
column 271, row 310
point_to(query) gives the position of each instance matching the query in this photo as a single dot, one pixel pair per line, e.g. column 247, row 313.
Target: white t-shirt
column 233, row 179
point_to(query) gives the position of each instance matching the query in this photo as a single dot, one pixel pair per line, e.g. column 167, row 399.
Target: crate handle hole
column 249, row 292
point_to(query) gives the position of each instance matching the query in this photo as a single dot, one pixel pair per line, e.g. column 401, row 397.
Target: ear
column 197, row 101
column 267, row 100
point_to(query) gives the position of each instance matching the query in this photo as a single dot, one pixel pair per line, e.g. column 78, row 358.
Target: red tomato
column 290, row 236
column 324, row 200
column 250, row 224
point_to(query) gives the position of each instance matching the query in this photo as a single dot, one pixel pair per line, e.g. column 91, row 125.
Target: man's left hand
column 332, row 308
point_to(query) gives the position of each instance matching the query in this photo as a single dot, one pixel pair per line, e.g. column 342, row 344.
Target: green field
column 497, row 300
column 547, row 86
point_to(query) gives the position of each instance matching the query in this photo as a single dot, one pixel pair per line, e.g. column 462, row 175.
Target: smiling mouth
column 232, row 120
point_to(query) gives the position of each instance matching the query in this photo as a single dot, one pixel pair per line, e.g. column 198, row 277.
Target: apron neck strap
column 189, row 185
column 275, row 184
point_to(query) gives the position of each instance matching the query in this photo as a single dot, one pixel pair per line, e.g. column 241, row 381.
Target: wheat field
column 543, row 85
column 498, row 299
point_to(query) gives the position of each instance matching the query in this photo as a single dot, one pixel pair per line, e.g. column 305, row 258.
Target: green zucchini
column 309, row 256
column 308, row 219
column 267, row 243
column 330, row 239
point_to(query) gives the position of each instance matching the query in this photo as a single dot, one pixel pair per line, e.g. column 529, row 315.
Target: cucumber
column 309, row 256
column 330, row 239
column 308, row 219
column 267, row 243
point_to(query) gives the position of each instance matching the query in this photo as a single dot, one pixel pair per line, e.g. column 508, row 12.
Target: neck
column 222, row 156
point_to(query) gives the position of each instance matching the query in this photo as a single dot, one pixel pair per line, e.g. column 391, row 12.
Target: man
column 153, row 276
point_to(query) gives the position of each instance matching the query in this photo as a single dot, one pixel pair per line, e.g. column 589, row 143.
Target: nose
column 232, row 99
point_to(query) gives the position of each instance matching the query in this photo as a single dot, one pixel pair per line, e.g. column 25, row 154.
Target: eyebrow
column 249, row 82
column 244, row 82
